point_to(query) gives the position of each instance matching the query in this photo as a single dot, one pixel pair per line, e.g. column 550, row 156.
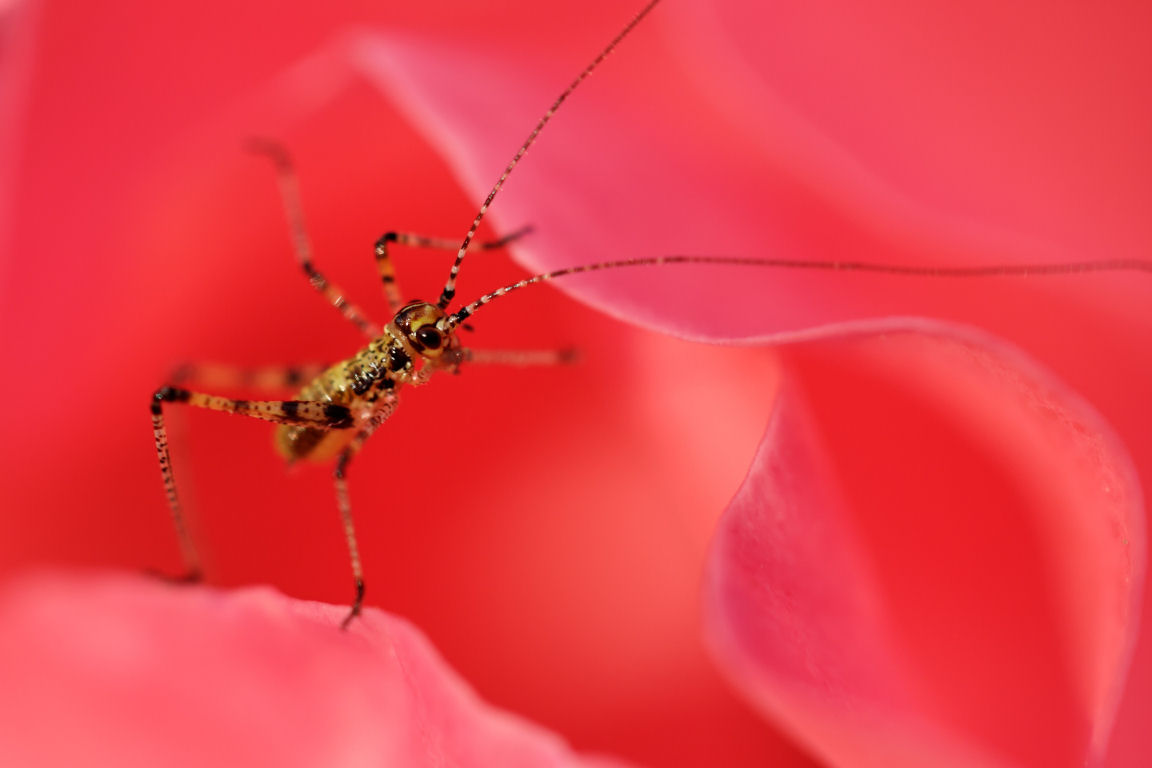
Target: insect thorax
column 361, row 383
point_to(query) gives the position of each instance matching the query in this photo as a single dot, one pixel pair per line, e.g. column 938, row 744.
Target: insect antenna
column 1043, row 269
column 450, row 286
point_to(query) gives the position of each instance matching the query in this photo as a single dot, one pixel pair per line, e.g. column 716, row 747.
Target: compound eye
column 429, row 337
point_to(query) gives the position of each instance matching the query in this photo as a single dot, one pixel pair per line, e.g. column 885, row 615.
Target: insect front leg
column 340, row 476
column 516, row 358
column 302, row 412
column 290, row 195
column 384, row 260
column 522, row 358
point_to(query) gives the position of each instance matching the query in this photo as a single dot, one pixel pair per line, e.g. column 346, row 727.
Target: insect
column 338, row 408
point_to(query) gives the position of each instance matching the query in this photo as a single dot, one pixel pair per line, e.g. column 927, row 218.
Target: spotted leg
column 522, row 358
column 270, row 378
column 340, row 476
column 516, row 358
column 384, row 261
column 303, row 412
column 290, row 194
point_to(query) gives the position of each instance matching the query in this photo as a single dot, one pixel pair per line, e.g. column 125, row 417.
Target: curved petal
column 175, row 268
column 936, row 558
column 758, row 129
column 122, row 671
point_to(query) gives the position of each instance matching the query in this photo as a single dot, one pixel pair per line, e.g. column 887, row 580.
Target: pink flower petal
column 175, row 230
column 936, row 559
column 752, row 129
column 123, row 671
column 555, row 567
column 909, row 133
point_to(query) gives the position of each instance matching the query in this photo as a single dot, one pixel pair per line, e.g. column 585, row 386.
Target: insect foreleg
column 522, row 357
column 317, row 415
column 339, row 475
column 290, row 195
column 384, row 260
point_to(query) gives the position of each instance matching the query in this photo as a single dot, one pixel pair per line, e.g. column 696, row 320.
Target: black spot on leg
column 291, row 408
column 398, row 360
column 337, row 416
column 168, row 395
column 173, row 394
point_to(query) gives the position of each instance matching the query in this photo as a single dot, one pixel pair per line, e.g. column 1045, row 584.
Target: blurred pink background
column 560, row 564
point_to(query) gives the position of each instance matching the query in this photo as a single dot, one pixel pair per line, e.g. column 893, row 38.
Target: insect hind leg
column 340, row 478
column 193, row 565
column 302, row 412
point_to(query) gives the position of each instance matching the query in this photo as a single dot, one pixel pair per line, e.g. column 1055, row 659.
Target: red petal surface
column 553, row 562
column 785, row 130
column 940, row 567
column 547, row 568
column 904, row 132
column 123, row 671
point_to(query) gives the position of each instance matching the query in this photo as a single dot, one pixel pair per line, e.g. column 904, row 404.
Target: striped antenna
column 450, row 286
column 907, row 270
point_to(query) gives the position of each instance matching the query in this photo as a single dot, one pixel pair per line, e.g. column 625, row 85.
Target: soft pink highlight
column 114, row 670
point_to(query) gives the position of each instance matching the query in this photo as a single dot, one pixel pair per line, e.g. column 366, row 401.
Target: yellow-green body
column 368, row 380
